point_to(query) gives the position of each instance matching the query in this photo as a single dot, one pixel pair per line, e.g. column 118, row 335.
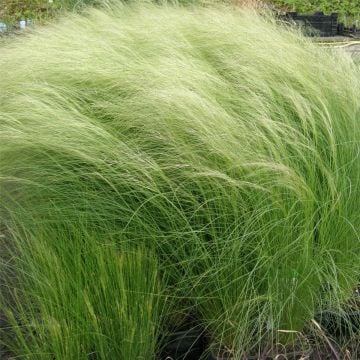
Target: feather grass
column 69, row 294
column 227, row 144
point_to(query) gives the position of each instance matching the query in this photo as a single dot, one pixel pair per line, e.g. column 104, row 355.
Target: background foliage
column 347, row 9
column 40, row 10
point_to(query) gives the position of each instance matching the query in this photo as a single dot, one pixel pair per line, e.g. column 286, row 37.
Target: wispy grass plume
column 221, row 141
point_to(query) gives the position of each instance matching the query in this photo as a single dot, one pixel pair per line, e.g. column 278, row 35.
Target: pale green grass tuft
column 221, row 141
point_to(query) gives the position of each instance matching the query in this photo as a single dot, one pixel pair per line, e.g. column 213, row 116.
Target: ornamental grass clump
column 71, row 294
column 221, row 141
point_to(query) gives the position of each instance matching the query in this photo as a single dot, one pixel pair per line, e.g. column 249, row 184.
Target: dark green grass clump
column 73, row 295
column 226, row 145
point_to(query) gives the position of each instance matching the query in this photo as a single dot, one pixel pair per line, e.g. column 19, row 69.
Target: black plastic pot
column 297, row 355
column 184, row 345
column 352, row 31
column 323, row 25
column 336, row 324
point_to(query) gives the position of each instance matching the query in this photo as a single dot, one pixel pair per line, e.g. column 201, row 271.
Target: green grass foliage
column 347, row 9
column 212, row 137
column 75, row 295
column 12, row 11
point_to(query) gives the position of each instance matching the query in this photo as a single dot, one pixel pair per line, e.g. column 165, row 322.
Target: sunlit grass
column 221, row 142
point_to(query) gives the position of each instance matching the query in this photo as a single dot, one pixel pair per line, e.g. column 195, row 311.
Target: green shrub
column 11, row 11
column 222, row 142
column 346, row 9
